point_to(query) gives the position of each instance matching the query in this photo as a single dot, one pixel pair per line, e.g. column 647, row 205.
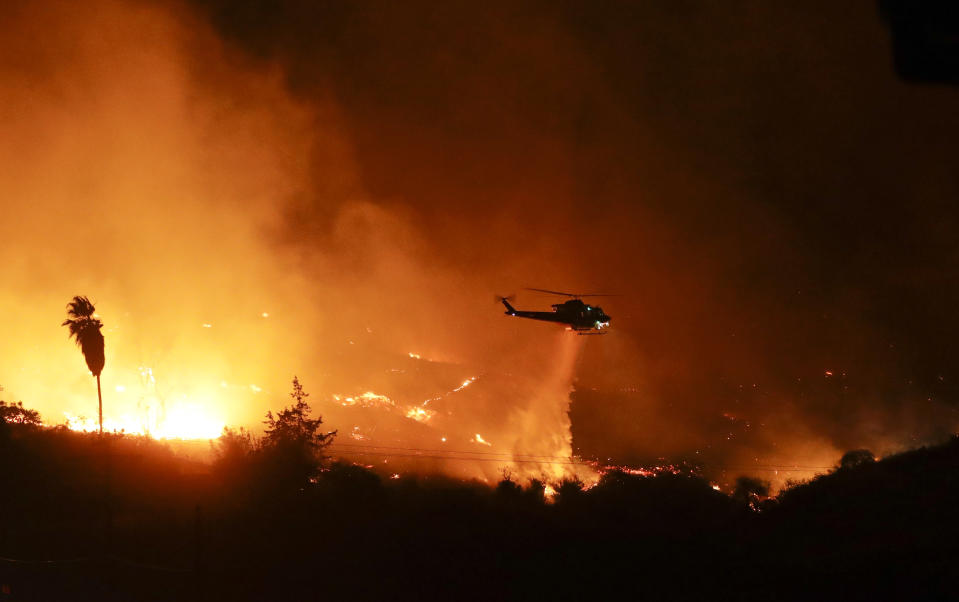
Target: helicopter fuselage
column 574, row 313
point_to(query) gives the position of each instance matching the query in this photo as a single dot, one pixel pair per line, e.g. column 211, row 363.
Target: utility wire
column 454, row 451
column 359, row 450
column 446, row 457
column 340, row 446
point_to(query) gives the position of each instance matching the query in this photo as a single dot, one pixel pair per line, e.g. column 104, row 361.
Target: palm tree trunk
column 100, row 398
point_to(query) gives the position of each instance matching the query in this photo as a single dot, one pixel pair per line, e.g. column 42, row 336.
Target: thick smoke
column 142, row 167
column 773, row 206
column 223, row 231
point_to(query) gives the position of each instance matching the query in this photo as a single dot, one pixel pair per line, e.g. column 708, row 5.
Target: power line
column 454, row 451
column 561, row 458
column 447, row 457
column 370, row 450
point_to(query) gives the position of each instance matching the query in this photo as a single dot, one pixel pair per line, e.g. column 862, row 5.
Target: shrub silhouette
column 286, row 459
column 508, row 489
column 15, row 413
column 854, row 458
column 751, row 491
column 234, row 457
column 569, row 491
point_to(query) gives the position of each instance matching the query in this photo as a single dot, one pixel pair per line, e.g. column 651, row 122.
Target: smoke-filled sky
column 775, row 208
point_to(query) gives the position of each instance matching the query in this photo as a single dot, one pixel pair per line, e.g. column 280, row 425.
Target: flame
column 549, row 492
column 639, row 471
column 231, row 173
column 179, row 416
column 365, row 400
column 465, row 384
column 477, row 438
column 182, row 421
column 420, row 414
column 213, row 319
column 370, row 399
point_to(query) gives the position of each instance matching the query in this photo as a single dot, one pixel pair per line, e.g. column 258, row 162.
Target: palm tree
column 86, row 330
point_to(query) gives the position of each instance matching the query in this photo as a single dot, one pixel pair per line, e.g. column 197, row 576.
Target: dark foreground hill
column 126, row 519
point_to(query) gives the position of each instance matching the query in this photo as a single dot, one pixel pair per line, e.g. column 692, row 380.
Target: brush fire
column 232, row 231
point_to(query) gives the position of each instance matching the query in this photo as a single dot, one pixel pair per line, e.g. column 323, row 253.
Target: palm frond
column 80, row 307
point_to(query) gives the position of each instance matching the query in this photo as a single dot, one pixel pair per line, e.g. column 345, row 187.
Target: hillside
column 126, row 517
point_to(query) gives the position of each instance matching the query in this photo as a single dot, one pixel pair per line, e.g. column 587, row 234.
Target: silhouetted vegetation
column 272, row 518
column 85, row 329
column 751, row 491
column 854, row 458
column 15, row 413
column 285, row 460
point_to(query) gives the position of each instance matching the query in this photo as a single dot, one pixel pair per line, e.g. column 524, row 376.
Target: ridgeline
column 123, row 517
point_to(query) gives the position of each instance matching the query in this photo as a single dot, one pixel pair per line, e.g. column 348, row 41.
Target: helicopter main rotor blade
column 574, row 295
column 543, row 290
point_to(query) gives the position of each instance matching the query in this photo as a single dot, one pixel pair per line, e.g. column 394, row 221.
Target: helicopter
column 579, row 316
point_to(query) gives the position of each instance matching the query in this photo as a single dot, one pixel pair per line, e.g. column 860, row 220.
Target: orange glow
column 477, row 438
column 549, row 492
column 237, row 220
column 145, row 411
column 213, row 294
column 182, row 421
column 420, row 414
column 465, row 384
column 366, row 400
column 169, row 238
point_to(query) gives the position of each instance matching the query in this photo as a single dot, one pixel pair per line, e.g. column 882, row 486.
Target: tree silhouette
column 293, row 442
column 293, row 426
column 86, row 330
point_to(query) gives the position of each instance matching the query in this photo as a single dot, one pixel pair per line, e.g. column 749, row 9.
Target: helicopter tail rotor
column 506, row 301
